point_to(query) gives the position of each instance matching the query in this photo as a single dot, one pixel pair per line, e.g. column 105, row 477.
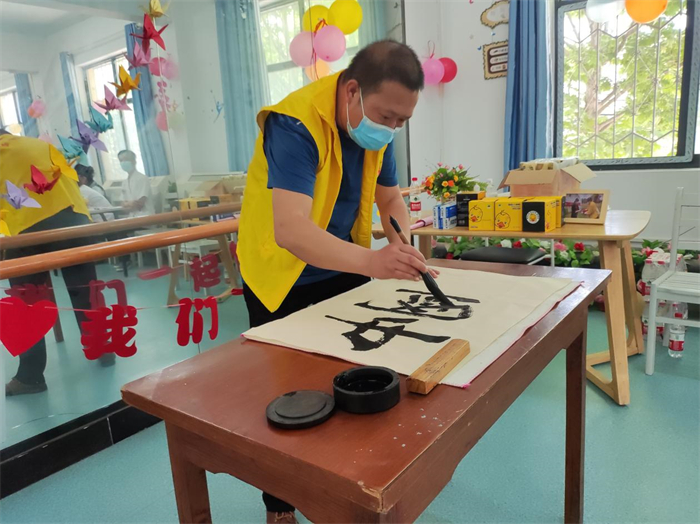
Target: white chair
column 674, row 286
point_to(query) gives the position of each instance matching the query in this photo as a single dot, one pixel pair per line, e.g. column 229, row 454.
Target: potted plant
column 445, row 182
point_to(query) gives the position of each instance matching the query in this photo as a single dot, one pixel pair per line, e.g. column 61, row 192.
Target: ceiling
column 28, row 19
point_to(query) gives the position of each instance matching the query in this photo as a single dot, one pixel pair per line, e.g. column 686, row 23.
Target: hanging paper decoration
column 450, row 67
column 155, row 9
column 109, row 330
column 112, row 103
column 23, row 325
column 40, row 183
column 36, row 108
column 29, row 293
column 329, row 43
column 601, row 11
column 346, row 15
column 4, row 230
column 100, row 123
column 97, row 287
column 126, row 83
column 301, row 49
column 18, row 197
column 87, row 137
column 184, row 333
column 61, row 164
column 433, row 70
column 645, row 11
column 71, row 148
column 317, row 70
column 139, row 57
column 313, row 16
column 205, row 272
column 164, row 67
column 150, row 33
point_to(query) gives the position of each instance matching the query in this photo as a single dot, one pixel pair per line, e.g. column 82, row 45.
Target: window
column 124, row 135
column 280, row 22
column 628, row 92
column 9, row 112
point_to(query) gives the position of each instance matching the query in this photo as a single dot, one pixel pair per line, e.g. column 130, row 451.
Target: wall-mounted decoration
column 496, row 15
column 495, row 60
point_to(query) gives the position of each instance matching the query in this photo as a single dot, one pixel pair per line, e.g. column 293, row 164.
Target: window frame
column 12, row 91
column 690, row 87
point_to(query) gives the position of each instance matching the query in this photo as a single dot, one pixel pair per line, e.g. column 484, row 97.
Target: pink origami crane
column 112, row 102
column 139, row 57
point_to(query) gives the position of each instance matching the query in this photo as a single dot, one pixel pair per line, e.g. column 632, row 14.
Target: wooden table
column 351, row 469
column 613, row 239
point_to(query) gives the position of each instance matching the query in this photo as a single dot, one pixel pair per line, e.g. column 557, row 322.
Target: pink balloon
column 450, row 69
column 301, row 50
column 36, row 108
column 329, row 43
column 433, row 71
column 162, row 121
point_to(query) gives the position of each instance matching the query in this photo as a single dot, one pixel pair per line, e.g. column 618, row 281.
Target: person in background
column 94, row 198
column 137, row 194
column 575, row 208
column 62, row 206
column 592, row 210
column 86, row 178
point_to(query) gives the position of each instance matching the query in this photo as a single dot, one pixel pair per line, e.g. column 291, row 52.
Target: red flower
column 517, row 243
column 451, row 183
column 578, row 246
column 450, row 256
column 498, row 245
column 454, row 239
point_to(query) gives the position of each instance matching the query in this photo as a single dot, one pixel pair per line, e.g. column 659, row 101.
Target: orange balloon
column 645, row 11
column 317, row 70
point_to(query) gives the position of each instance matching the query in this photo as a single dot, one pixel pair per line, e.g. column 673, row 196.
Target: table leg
column 190, row 481
column 633, row 318
column 425, row 246
column 575, row 428
column 618, row 387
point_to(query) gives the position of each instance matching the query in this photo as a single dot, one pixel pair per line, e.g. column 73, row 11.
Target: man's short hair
column 127, row 152
column 86, row 171
column 385, row 61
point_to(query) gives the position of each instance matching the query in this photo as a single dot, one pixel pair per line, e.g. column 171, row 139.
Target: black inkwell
column 366, row 389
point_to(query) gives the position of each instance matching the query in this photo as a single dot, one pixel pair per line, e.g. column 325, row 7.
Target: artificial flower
column 578, row 246
column 506, row 243
column 451, row 183
column 559, row 246
column 444, row 184
column 517, row 244
column 447, row 194
column 456, row 178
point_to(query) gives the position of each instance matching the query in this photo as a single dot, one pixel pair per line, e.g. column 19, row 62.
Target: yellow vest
column 17, row 155
column 267, row 269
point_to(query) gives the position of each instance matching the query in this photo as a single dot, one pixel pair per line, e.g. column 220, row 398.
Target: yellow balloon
column 346, row 15
column 313, row 16
column 317, row 70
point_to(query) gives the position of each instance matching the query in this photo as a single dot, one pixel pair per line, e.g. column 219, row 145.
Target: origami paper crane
column 150, row 33
column 112, row 102
column 126, row 83
column 155, row 9
column 40, row 184
column 71, row 148
column 87, row 137
column 18, row 197
column 139, row 57
column 100, row 123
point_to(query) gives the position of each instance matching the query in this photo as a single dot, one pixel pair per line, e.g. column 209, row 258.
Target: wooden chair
column 674, row 286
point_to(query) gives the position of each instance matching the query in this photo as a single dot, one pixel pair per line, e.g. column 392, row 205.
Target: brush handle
column 394, row 223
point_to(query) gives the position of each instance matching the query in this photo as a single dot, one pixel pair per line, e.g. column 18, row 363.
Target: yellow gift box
column 481, row 214
column 509, row 214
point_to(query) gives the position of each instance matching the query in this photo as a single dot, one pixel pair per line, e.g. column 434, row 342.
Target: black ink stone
column 366, row 389
column 300, row 409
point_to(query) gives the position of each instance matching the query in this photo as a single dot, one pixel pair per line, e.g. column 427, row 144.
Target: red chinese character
column 205, row 272
column 109, row 335
column 97, row 299
column 183, row 320
column 30, row 293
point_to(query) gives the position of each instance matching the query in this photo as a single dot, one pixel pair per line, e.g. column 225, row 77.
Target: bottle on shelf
column 414, row 199
column 676, row 336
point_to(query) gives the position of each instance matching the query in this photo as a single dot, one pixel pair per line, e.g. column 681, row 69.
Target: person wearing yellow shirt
column 62, row 206
column 592, row 210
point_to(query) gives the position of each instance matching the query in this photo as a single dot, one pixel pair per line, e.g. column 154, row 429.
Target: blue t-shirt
column 292, row 159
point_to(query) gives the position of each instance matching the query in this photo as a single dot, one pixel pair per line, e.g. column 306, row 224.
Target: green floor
column 642, row 462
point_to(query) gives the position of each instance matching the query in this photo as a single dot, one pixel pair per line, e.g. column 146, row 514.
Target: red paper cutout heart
column 22, row 325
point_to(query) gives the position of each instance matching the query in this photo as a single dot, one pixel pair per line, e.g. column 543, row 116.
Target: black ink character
column 430, row 307
column 361, row 343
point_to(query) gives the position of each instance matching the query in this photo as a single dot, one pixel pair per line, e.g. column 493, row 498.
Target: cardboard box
column 193, row 203
column 540, row 214
column 560, row 211
column 481, row 214
column 437, row 222
column 448, row 215
column 509, row 214
column 547, row 180
column 463, row 200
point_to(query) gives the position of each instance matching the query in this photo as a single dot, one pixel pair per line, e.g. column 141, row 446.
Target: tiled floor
column 642, row 462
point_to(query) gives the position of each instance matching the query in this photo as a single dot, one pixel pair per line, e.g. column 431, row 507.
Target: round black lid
column 300, row 409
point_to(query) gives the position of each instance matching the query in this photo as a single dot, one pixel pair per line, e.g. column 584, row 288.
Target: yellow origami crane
column 155, row 9
column 4, row 230
column 60, row 164
column 126, row 83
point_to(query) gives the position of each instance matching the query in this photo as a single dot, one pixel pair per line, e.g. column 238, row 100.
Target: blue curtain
column 373, row 26
column 155, row 161
column 529, row 94
column 24, row 100
column 243, row 76
column 70, row 84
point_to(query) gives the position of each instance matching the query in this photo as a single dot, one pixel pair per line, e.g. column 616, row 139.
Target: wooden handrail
column 92, row 253
column 114, row 226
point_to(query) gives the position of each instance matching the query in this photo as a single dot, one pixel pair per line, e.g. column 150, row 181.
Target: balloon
column 313, row 16
column 433, row 71
column 342, row 63
column 36, row 108
column 346, row 15
column 450, row 69
column 601, row 11
column 329, row 43
column 162, row 121
column 302, row 49
column 317, row 70
column 645, row 11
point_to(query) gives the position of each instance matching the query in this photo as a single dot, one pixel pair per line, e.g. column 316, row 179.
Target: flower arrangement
column 445, row 182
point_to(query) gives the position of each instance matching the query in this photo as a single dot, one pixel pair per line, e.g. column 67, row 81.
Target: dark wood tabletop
column 385, row 467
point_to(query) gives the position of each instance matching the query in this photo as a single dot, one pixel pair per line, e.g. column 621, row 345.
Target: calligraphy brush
column 427, row 277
